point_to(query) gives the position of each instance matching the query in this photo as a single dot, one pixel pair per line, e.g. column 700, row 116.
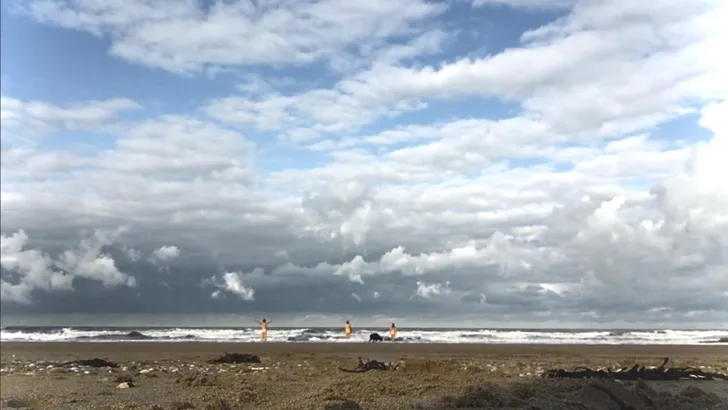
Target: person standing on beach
column 264, row 329
column 393, row 332
column 347, row 330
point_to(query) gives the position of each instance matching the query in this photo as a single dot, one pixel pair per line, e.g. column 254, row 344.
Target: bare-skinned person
column 393, row 332
column 347, row 330
column 264, row 328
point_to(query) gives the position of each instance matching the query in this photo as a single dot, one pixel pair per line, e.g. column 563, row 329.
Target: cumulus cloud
column 166, row 253
column 591, row 197
column 182, row 37
column 428, row 290
column 33, row 118
column 26, row 270
column 232, row 282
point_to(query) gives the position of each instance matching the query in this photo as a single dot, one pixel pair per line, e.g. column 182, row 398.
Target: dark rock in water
column 343, row 405
column 95, row 362
column 235, row 358
column 721, row 340
column 137, row 335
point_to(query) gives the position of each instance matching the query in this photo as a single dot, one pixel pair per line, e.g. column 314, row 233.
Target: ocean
column 82, row 334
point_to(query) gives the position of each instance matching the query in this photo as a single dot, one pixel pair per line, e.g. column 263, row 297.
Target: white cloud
column 181, row 37
column 601, row 70
column 166, row 253
column 529, row 4
column 232, row 282
column 34, row 269
column 25, row 119
column 428, row 290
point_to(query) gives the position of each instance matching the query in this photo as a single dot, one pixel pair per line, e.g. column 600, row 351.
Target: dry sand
column 305, row 376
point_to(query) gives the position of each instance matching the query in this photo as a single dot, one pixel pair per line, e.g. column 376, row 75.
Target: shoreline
column 16, row 347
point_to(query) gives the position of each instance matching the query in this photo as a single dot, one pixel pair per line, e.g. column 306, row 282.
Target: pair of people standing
column 392, row 330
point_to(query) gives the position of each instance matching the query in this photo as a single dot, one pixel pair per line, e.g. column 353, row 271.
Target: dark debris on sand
column 235, row 358
column 343, row 405
column 636, row 372
column 365, row 365
column 95, row 362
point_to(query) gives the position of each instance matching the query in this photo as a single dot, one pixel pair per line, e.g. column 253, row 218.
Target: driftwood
column 365, row 365
column 235, row 358
column 95, row 362
column 636, row 372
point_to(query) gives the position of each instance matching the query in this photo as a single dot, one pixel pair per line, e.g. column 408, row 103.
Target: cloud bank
column 577, row 174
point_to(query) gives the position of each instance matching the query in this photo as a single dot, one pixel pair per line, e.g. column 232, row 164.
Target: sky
column 540, row 161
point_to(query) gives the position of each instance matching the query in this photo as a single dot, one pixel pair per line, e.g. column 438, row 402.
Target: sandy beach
column 306, row 376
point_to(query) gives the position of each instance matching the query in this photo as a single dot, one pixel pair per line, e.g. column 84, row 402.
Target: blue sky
column 65, row 66
column 449, row 150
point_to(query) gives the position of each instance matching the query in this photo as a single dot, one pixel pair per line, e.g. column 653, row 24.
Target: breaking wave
column 312, row 335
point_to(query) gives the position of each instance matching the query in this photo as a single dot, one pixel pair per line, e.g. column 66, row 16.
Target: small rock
column 125, row 385
column 123, row 379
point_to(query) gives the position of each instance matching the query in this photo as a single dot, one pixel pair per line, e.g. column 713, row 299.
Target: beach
column 307, row 376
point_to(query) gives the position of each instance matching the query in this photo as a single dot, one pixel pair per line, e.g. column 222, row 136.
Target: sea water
column 335, row 335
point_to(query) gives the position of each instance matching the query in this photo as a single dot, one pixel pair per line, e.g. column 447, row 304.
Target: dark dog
column 375, row 337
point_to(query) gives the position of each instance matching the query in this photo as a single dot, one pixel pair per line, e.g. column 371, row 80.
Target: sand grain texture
column 305, row 376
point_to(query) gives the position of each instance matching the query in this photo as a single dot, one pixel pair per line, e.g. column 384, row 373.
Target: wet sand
column 306, row 376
